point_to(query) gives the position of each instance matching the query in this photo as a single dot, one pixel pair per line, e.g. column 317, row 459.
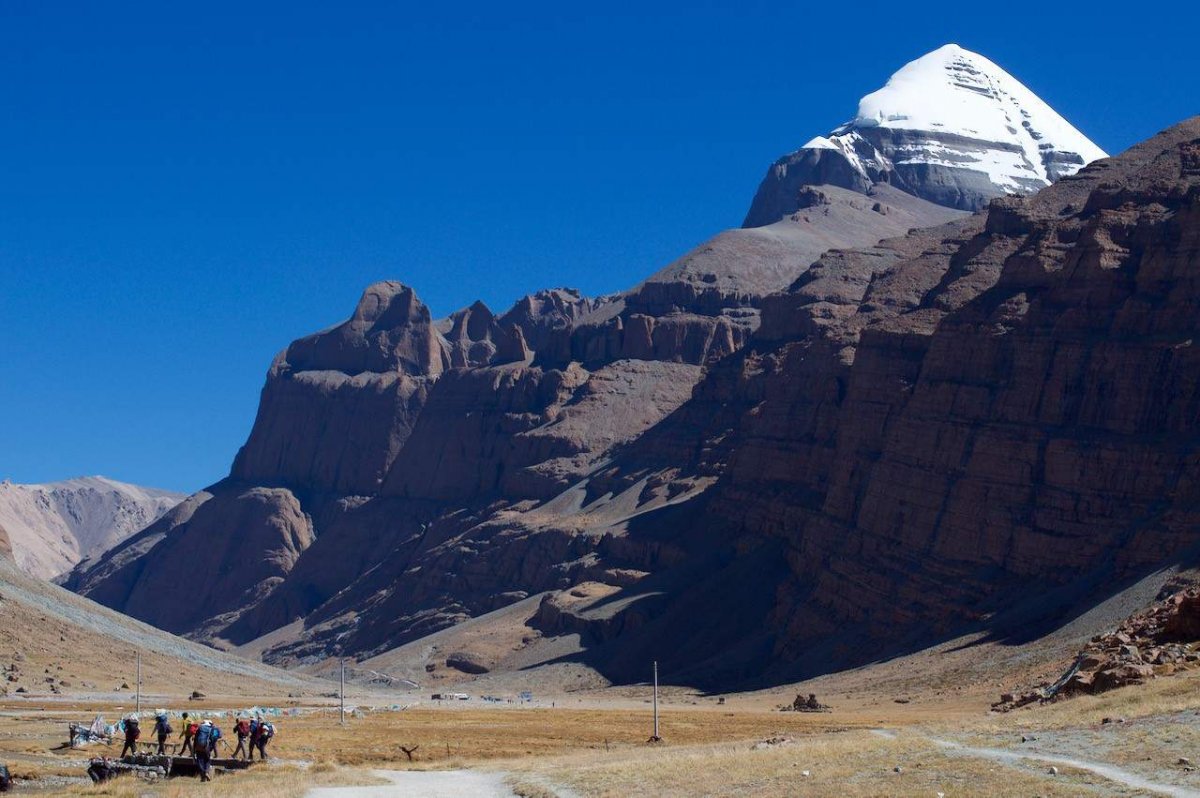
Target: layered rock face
column 990, row 410
column 1024, row 420
column 705, row 305
column 338, row 405
column 795, row 433
column 187, row 569
column 383, row 450
column 51, row 527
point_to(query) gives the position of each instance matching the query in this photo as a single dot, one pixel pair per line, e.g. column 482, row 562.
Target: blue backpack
column 205, row 739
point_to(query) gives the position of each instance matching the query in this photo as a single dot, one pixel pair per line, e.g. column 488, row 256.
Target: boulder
column 467, row 662
column 1183, row 622
column 1121, row 675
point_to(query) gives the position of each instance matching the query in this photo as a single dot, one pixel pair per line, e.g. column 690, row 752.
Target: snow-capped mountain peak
column 951, row 127
column 956, row 91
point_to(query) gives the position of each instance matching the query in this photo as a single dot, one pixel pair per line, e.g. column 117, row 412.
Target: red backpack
column 243, row 727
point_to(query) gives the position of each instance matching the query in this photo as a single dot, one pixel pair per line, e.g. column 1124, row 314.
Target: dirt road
column 1110, row 772
column 425, row 784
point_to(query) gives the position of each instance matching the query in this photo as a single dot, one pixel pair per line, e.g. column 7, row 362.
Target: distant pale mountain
column 51, row 527
column 59, row 643
column 950, row 127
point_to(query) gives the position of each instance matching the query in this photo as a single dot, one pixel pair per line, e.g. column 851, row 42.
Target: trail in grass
column 1110, row 772
column 425, row 784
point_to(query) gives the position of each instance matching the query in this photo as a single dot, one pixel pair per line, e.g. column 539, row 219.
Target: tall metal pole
column 656, row 737
column 139, row 684
column 342, row 693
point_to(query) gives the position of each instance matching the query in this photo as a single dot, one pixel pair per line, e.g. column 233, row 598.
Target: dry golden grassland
column 852, row 763
column 603, row 752
column 447, row 737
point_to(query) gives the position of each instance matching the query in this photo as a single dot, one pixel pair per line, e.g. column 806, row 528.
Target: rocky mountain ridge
column 789, row 438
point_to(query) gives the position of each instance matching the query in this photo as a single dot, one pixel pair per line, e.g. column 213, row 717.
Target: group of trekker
column 201, row 738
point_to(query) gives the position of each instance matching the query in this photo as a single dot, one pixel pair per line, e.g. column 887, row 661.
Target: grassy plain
column 709, row 749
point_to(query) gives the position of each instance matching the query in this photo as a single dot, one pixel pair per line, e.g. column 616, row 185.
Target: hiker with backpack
column 261, row 734
column 190, row 725
column 204, row 746
column 242, row 730
column 162, row 728
column 253, row 735
column 132, row 733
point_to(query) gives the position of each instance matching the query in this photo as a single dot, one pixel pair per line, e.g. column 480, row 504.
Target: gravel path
column 425, row 784
column 1109, row 772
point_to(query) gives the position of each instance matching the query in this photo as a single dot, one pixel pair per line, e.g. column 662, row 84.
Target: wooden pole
column 342, row 693
column 656, row 737
column 138, row 704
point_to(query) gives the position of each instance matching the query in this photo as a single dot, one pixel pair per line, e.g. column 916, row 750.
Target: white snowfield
column 951, row 94
column 53, row 526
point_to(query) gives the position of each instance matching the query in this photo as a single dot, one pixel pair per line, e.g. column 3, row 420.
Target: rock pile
column 810, row 704
column 1157, row 641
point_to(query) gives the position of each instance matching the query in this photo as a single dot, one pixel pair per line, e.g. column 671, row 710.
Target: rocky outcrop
column 51, row 527
column 540, row 316
column 338, row 405
column 739, row 267
column 186, row 569
column 1159, row 641
column 705, row 305
column 476, row 338
column 467, row 662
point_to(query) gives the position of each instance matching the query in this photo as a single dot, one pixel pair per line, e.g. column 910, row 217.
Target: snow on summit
column 950, row 127
column 953, row 90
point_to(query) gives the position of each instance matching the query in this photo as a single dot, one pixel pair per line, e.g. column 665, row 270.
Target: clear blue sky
column 187, row 187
